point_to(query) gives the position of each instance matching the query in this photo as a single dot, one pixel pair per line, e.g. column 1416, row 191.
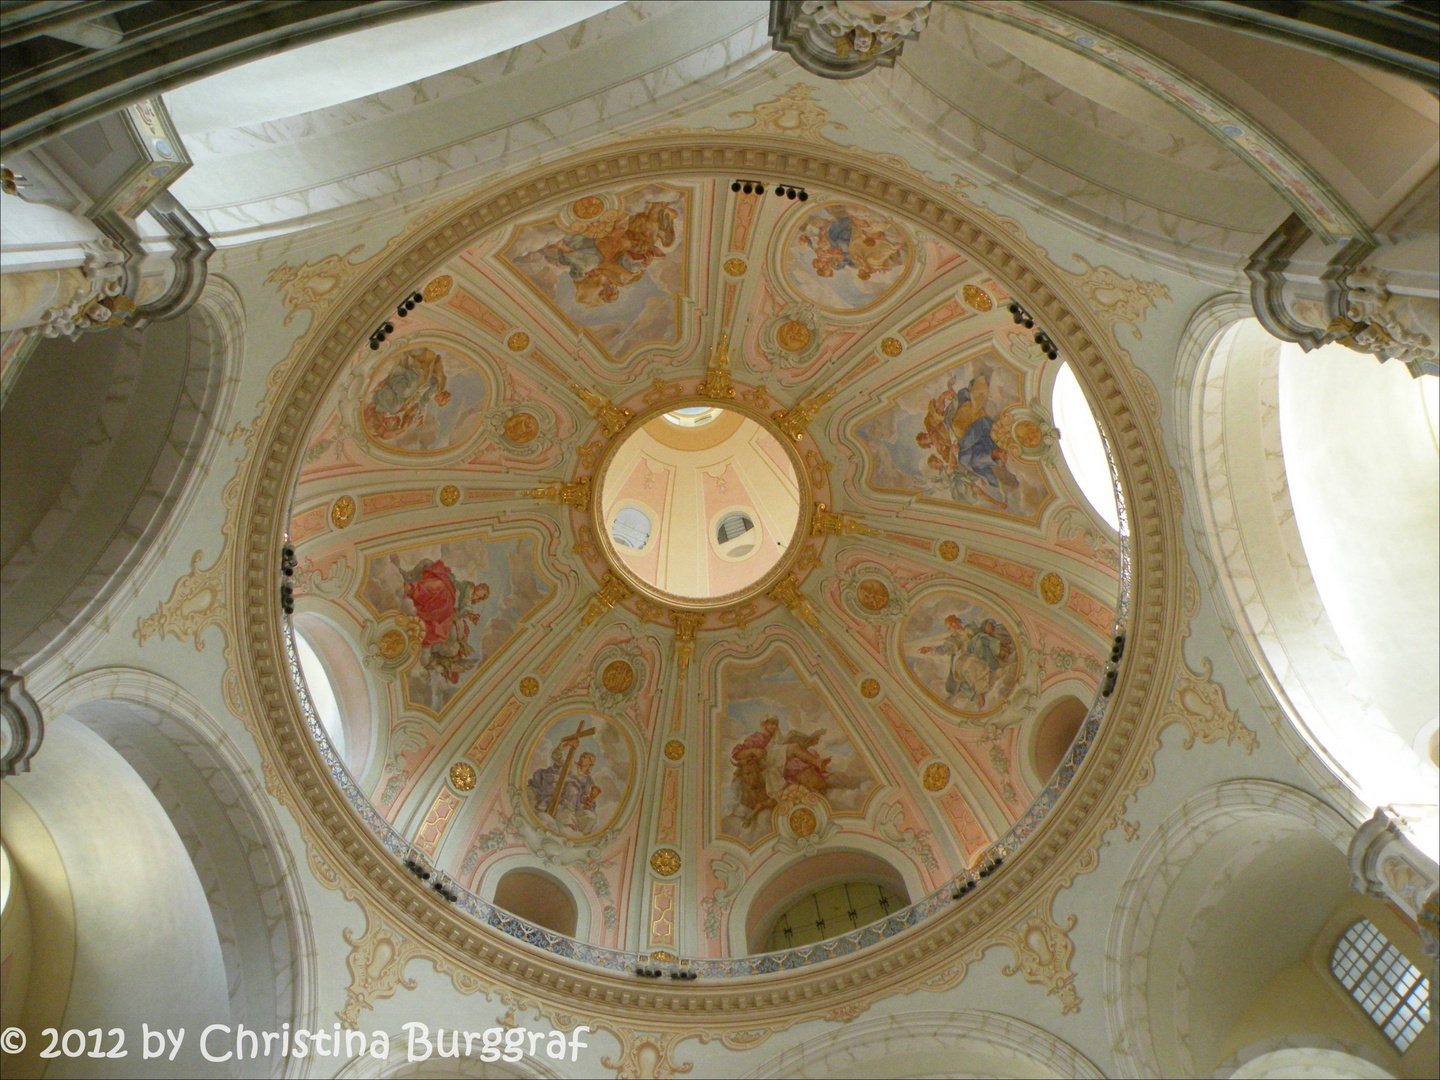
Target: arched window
column 835, row 909
column 322, row 693
column 631, row 528
column 1387, row 986
column 1081, row 445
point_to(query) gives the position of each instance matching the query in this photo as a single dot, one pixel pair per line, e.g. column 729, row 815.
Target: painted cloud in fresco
column 462, row 600
column 845, row 258
column 777, row 731
column 949, row 440
column 612, row 264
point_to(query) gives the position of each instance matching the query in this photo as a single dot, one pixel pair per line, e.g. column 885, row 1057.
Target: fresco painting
column 960, row 653
column 576, row 776
column 423, row 402
column 776, row 732
column 611, row 264
column 950, row 440
column 846, row 258
column 461, row 602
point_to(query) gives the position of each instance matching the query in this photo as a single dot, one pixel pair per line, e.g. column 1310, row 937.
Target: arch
column 537, row 897
column 489, row 887
column 1312, row 1062
column 631, row 527
column 929, row 1043
column 1238, row 839
column 769, row 893
column 132, row 466
column 218, row 807
column 1246, row 530
column 397, row 1065
column 1054, row 733
column 1303, row 1050
column 353, row 693
column 128, row 912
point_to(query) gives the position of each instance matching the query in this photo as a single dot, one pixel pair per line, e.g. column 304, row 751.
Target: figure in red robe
column 448, row 608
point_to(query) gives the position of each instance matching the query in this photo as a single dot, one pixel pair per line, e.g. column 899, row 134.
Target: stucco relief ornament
column 716, row 383
column 1387, row 325
column 576, row 494
column 870, row 593
column 802, row 818
column 390, row 644
column 1033, row 435
column 613, row 418
column 792, row 337
column 98, row 301
column 520, row 430
column 840, row 39
column 619, row 674
column 794, row 420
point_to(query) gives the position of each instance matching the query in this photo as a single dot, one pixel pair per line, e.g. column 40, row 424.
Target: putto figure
column 604, row 255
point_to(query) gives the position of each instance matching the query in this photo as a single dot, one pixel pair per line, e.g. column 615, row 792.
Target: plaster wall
column 136, row 896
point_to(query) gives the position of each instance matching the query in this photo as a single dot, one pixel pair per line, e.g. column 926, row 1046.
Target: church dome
column 699, row 554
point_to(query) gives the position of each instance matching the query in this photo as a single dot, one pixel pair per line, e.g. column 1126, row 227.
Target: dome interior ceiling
column 953, row 582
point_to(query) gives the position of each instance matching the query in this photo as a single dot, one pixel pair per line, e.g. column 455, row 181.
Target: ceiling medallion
column 802, row 821
column 872, row 594
column 521, row 428
column 342, row 512
column 949, row 550
column 462, row 776
column 869, row 688
column 449, row 495
column 936, row 776
column 665, row 862
column 529, row 686
column 792, row 336
column 977, row 298
column 392, row 644
column 617, row 677
column 891, row 347
column 674, row 750
column 735, row 267
column 438, row 289
column 518, row 342
column 1052, row 588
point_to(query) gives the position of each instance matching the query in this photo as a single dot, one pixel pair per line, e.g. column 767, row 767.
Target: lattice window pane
column 1385, row 984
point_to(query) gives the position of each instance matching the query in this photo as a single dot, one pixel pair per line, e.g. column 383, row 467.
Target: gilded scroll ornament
column 794, row 420
column 716, row 383
column 827, row 522
column 612, row 591
column 613, row 418
column 576, row 494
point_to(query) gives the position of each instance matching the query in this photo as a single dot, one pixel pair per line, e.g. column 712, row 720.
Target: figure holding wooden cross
column 563, row 790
